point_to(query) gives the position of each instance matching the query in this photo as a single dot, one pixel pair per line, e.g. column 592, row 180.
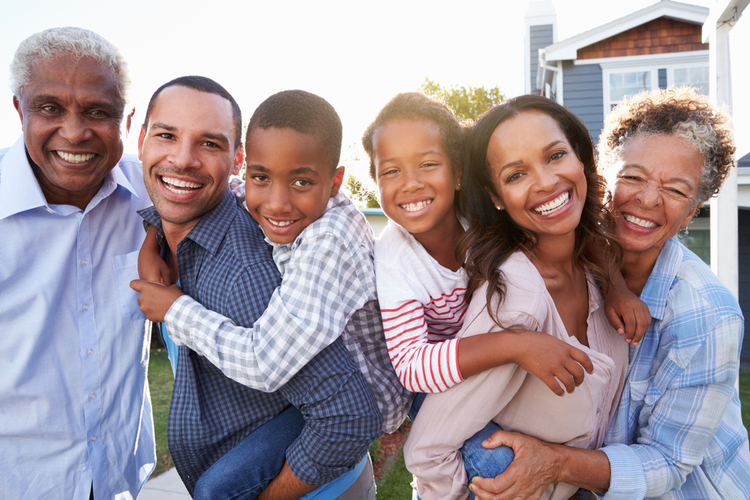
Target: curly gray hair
column 69, row 40
column 676, row 111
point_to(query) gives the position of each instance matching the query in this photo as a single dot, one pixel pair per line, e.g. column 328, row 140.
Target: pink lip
column 560, row 211
column 630, row 226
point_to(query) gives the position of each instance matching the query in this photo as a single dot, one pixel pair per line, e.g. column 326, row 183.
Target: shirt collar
column 210, row 230
column 662, row 276
column 20, row 190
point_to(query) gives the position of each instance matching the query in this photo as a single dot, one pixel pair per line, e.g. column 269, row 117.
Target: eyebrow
column 422, row 155
column 206, row 135
column 544, row 150
column 42, row 98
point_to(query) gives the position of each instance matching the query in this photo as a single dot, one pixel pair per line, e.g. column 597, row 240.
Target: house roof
column 567, row 49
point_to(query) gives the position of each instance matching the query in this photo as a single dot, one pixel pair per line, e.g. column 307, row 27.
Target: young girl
column 416, row 147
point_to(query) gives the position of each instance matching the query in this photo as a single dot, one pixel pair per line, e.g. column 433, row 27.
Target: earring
column 499, row 207
column 682, row 234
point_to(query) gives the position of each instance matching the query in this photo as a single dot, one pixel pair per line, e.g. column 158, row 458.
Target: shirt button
column 92, row 396
column 85, row 307
column 90, row 352
column 84, row 262
column 92, row 439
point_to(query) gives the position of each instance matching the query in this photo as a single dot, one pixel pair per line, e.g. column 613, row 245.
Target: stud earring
column 499, row 207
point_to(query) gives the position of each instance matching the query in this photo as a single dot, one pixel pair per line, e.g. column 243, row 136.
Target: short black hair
column 202, row 84
column 304, row 112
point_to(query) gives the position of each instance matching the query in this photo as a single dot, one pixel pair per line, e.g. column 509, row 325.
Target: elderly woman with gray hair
column 678, row 431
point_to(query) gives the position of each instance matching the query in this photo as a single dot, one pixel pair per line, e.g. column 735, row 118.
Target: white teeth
column 281, row 223
column 71, row 158
column 553, row 205
column 413, row 207
column 637, row 221
column 179, row 186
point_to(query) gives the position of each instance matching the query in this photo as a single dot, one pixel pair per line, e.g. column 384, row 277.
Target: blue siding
column 744, row 274
column 662, row 78
column 539, row 37
column 583, row 95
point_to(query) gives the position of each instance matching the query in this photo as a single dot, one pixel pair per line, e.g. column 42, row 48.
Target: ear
column 129, row 121
column 495, row 200
column 17, row 105
column 141, row 138
column 689, row 217
column 239, row 159
column 457, row 180
column 338, row 179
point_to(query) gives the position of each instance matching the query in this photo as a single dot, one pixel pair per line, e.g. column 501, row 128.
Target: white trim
column 567, row 49
column 648, row 59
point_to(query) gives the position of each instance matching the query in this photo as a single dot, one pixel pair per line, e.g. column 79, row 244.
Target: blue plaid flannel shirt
column 225, row 264
column 678, row 430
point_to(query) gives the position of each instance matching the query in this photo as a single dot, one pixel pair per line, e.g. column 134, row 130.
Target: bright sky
column 355, row 55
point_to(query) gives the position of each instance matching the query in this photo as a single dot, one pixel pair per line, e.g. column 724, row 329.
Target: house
column 658, row 46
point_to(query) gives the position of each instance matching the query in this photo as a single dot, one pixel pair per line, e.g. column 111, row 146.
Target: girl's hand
column 628, row 314
column 155, row 299
column 551, row 359
column 532, row 470
column 151, row 267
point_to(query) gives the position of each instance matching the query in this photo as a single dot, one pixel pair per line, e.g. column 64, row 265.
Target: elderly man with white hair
column 75, row 412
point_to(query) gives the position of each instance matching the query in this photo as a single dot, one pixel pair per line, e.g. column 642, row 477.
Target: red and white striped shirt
column 423, row 305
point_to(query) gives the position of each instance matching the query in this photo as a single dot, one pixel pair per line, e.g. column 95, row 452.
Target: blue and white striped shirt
column 678, row 431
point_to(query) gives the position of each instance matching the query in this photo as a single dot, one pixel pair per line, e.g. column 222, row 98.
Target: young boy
column 322, row 246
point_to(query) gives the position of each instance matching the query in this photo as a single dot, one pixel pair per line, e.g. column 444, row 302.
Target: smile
column 413, row 207
column 178, row 186
column 75, row 158
column 281, row 223
column 638, row 222
column 553, row 205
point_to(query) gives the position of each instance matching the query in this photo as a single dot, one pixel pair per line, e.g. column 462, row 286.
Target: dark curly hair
column 676, row 111
column 493, row 235
column 417, row 106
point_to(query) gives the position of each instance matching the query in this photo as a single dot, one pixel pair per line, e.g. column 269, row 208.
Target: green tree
column 358, row 193
column 467, row 102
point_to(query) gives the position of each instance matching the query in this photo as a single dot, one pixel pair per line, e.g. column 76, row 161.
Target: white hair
column 78, row 42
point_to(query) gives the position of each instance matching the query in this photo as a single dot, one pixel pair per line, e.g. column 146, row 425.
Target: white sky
column 355, row 54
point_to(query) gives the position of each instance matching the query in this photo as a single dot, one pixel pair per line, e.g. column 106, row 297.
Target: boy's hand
column 628, row 314
column 155, row 299
column 151, row 267
column 551, row 359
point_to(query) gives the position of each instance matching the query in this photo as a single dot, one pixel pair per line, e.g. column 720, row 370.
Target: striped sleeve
column 421, row 365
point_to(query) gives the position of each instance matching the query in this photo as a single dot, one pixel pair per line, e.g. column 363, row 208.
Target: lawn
column 395, row 484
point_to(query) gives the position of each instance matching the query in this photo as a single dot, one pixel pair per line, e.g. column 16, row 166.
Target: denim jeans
column 248, row 468
column 478, row 460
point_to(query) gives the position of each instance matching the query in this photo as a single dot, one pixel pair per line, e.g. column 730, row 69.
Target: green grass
column 160, row 381
column 745, row 398
column 396, row 485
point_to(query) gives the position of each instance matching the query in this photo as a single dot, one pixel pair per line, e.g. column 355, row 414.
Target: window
column 695, row 76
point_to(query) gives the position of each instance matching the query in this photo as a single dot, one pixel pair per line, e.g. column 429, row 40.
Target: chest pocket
column 126, row 270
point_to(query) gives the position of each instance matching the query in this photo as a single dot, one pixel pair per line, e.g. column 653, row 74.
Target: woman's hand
column 155, row 299
column 551, row 359
column 533, row 469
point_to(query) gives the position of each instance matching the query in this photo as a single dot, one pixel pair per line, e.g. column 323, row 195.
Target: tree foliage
column 467, row 102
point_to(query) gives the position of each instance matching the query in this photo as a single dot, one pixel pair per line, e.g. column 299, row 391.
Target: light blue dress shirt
column 678, row 431
column 74, row 402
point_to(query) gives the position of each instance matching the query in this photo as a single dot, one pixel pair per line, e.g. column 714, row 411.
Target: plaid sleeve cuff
column 179, row 317
column 627, row 479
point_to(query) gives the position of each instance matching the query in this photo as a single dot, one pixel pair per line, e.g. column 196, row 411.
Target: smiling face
column 289, row 181
column 70, row 113
column 537, row 176
column 654, row 192
column 188, row 154
column 416, row 183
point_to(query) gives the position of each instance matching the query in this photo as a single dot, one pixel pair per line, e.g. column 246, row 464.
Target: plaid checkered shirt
column 678, row 431
column 225, row 264
column 327, row 291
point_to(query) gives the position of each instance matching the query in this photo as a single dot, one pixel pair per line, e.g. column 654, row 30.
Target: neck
column 174, row 234
column 636, row 269
column 554, row 255
column 441, row 245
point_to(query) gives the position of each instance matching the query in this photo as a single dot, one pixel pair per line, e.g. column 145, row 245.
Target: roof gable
column 684, row 13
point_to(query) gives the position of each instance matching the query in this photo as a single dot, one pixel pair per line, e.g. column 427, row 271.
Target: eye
column 512, row 177
column 302, row 183
column 210, row 144
column 259, row 177
column 557, row 155
column 429, row 164
column 50, row 109
column 390, row 171
column 165, row 135
column 98, row 113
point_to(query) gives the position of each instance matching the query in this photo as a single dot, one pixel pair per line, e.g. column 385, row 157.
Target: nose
column 277, row 201
column 412, row 181
column 183, row 155
column 649, row 195
column 545, row 179
column 75, row 128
